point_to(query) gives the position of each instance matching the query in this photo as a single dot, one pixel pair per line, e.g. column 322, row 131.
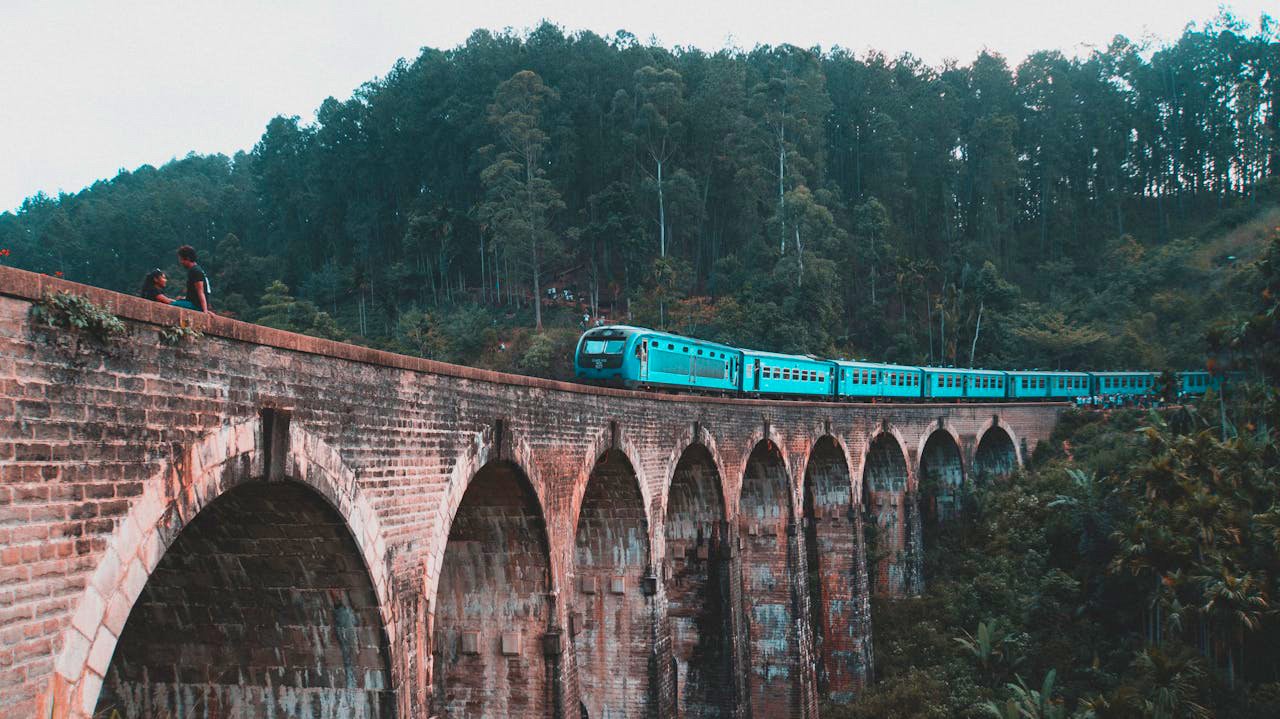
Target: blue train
column 638, row 358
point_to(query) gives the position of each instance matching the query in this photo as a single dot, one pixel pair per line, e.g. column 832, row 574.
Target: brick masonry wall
column 941, row 478
column 262, row 606
column 832, row 549
column 696, row 574
column 107, row 452
column 612, row 622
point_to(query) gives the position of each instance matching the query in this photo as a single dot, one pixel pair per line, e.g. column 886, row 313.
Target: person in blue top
column 197, row 296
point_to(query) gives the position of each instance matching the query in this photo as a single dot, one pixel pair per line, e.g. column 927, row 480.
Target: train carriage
column 1027, row 384
column 1124, row 384
column 1068, row 385
column 637, row 357
column 771, row 373
column 873, row 379
column 1193, row 383
column 953, row 383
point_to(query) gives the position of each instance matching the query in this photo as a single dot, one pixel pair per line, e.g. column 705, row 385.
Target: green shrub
column 77, row 312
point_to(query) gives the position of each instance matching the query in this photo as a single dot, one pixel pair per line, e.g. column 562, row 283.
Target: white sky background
column 89, row 87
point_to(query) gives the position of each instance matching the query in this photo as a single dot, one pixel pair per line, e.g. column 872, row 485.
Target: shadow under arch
column 996, row 455
column 493, row 603
column 612, row 619
column 838, row 601
column 697, row 574
column 941, row 476
column 231, row 456
column 773, row 583
column 885, row 496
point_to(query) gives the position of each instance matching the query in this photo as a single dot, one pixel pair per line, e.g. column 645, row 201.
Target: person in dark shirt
column 153, row 287
column 197, row 297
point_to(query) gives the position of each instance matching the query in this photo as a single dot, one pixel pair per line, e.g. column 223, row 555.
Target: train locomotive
column 640, row 358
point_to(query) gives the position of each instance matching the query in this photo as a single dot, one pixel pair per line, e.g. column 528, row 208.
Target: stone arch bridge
column 261, row 524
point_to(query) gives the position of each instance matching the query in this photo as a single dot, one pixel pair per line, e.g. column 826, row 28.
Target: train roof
column 630, row 329
column 781, row 355
column 875, row 365
column 959, row 370
column 1113, row 373
column 1049, row 372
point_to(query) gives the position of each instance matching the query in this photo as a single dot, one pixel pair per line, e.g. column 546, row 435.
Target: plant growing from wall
column 77, row 312
column 179, row 334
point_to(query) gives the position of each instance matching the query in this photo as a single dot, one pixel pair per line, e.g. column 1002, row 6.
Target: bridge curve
column 398, row 448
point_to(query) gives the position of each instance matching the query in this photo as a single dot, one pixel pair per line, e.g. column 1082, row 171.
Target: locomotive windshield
column 602, row 347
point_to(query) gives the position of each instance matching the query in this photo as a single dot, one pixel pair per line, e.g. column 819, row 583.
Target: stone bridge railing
column 258, row 523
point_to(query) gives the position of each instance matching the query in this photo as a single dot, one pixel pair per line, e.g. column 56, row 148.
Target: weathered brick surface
column 108, row 453
column 941, row 477
column 996, row 455
column 697, row 574
column 840, row 629
column 885, row 499
column 612, row 623
column 261, row 606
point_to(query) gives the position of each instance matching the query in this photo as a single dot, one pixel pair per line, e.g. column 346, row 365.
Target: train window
column 670, row 346
column 939, row 380
column 822, row 378
column 873, row 376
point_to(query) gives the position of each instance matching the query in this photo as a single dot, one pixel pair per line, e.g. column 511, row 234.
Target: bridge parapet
column 109, row 453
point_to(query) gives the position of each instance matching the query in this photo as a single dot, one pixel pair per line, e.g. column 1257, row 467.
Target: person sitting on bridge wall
column 153, row 287
column 197, row 296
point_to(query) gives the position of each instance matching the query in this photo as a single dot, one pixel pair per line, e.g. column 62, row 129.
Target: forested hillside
column 1081, row 212
column 1130, row 572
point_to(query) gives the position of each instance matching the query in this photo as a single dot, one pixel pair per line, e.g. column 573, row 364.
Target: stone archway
column 241, row 453
column 697, row 570
column 611, row 622
column 941, row 478
column 770, row 568
column 996, row 456
column 492, row 603
column 838, row 602
column 260, row 607
column 887, row 518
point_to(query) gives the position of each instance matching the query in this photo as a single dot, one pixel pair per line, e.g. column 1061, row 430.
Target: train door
column 642, row 351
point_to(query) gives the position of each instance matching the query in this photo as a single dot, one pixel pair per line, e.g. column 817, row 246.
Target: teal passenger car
column 857, row 379
column 1068, row 385
column 771, row 373
column 1198, row 382
column 955, row 383
column 1127, row 384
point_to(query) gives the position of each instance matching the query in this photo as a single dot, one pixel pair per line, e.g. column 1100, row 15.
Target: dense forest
column 1068, row 212
column 1132, row 571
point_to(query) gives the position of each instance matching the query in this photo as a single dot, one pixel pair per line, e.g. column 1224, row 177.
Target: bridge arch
column 181, row 518
column 886, row 487
column 493, row 601
column 997, row 452
column 832, row 553
column 697, row 580
column 612, row 621
column 615, row 439
column 772, row 581
column 941, row 474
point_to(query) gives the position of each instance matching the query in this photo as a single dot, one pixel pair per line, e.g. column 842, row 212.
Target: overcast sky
column 88, row 87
